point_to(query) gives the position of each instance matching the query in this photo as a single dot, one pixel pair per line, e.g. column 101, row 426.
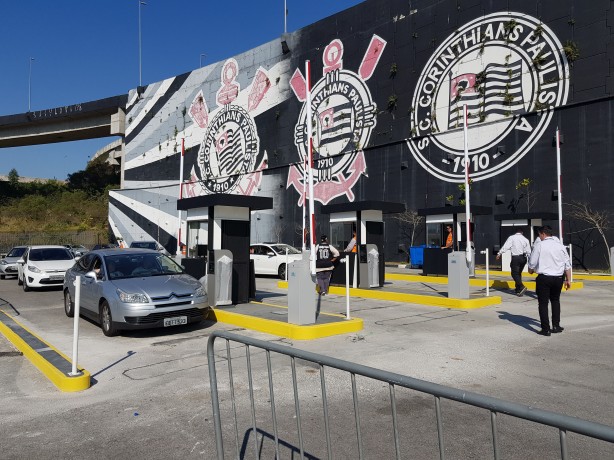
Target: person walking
column 325, row 258
column 550, row 261
column 520, row 248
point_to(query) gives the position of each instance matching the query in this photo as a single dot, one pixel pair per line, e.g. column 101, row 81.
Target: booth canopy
column 385, row 206
column 254, row 203
column 527, row 216
column 475, row 210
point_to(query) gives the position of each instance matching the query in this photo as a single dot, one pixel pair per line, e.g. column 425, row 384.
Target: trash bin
column 219, row 278
column 416, row 256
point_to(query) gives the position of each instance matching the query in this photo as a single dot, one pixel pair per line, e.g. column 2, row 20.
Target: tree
column 13, row 178
column 409, row 222
column 278, row 231
column 95, row 178
column 598, row 220
column 526, row 192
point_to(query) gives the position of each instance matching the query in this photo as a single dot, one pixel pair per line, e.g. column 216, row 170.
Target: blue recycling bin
column 416, row 256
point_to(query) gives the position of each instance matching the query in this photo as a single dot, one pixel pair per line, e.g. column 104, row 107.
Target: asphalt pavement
column 150, row 395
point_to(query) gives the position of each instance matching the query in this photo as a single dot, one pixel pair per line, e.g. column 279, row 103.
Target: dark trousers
column 516, row 266
column 323, row 280
column 548, row 288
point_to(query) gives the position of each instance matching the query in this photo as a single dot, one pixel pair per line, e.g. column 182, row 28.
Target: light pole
column 140, row 66
column 285, row 17
column 30, row 85
column 201, row 58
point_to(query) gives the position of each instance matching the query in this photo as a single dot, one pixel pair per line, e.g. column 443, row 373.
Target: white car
column 8, row 265
column 270, row 258
column 42, row 266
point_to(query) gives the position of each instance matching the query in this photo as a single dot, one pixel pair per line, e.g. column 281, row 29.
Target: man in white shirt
column 520, row 249
column 550, row 261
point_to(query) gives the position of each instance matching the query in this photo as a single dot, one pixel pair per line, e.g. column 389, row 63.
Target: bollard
column 347, row 287
column 485, row 251
column 75, row 340
column 570, row 263
column 286, row 265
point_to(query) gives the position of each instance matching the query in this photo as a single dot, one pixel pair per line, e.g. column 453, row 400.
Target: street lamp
column 140, row 66
column 30, row 85
column 201, row 58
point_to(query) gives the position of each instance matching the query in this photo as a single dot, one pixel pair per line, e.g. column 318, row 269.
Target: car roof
column 47, row 246
column 123, row 251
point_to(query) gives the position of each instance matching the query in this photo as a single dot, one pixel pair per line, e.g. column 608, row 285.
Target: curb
column 51, row 362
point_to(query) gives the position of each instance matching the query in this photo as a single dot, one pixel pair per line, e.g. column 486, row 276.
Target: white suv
column 270, row 258
column 42, row 266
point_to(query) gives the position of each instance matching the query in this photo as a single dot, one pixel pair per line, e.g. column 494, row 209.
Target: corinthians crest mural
column 343, row 120
column 502, row 66
column 229, row 158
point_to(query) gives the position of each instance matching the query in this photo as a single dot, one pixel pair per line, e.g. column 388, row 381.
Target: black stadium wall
column 389, row 83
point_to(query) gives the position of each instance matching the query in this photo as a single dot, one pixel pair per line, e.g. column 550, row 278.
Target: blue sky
column 86, row 50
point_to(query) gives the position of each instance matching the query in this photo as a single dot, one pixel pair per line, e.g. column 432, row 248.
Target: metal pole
column 201, row 59
column 467, row 208
column 347, row 287
column 30, row 85
column 75, row 340
column 178, row 254
column 559, row 180
column 140, row 55
column 308, row 121
column 285, row 17
column 571, row 262
column 286, row 274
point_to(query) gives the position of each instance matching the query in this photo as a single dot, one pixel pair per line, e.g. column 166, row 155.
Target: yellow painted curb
column 62, row 381
column 284, row 329
column 576, row 276
column 494, row 283
column 464, row 304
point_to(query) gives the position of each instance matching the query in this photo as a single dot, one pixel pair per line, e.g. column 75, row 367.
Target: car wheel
column 281, row 272
column 106, row 320
column 2, row 277
column 19, row 282
column 25, row 286
column 69, row 306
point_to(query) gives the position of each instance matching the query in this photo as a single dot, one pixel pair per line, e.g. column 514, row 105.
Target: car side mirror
column 91, row 274
column 270, row 253
column 21, row 261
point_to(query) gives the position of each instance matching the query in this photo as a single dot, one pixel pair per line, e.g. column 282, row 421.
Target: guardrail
column 494, row 406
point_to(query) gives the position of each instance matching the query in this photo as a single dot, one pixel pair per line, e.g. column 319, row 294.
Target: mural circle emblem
column 510, row 71
column 228, row 150
column 343, row 118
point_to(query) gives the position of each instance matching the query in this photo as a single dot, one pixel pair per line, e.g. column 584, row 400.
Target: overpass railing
column 563, row 424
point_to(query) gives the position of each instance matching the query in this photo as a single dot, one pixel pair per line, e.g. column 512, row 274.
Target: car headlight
column 200, row 292
column 132, row 298
column 33, row 269
column 4, row 262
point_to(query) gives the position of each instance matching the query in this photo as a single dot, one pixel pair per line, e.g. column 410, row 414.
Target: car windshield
column 144, row 245
column 281, row 249
column 140, row 266
column 42, row 254
column 16, row 252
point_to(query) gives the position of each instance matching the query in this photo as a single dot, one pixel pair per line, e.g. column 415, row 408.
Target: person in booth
column 449, row 238
column 351, row 247
column 325, row 258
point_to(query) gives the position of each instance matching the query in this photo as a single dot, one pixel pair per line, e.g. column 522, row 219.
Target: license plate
column 175, row 321
column 57, row 278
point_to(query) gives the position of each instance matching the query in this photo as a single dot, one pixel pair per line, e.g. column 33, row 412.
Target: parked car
column 103, row 246
column 134, row 289
column 8, row 265
column 150, row 244
column 77, row 249
column 270, row 258
column 43, row 265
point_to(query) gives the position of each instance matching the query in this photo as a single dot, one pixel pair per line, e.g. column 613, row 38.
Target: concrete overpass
column 87, row 120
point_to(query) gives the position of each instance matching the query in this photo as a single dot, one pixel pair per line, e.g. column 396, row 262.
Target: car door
column 259, row 257
column 269, row 260
column 22, row 265
column 82, row 267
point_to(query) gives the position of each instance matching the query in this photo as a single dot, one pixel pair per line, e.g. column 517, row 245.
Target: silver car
column 134, row 289
column 8, row 265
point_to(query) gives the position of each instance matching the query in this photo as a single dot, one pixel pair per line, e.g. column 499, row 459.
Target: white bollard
column 75, row 340
column 286, row 265
column 571, row 262
column 347, row 287
column 485, row 251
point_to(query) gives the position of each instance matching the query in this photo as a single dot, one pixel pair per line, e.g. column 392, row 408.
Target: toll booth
column 435, row 259
column 226, row 219
column 366, row 218
column 528, row 222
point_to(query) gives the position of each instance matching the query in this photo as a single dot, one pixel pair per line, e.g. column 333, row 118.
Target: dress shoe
column 522, row 291
column 556, row 329
column 545, row 332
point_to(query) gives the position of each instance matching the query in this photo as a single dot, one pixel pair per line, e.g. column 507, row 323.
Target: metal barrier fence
column 564, row 424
